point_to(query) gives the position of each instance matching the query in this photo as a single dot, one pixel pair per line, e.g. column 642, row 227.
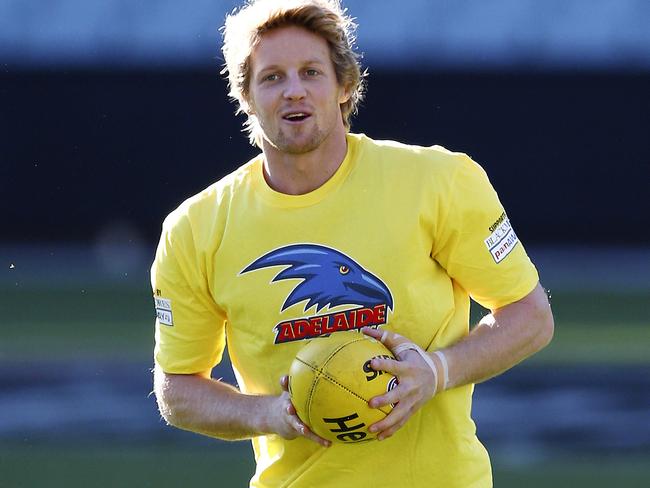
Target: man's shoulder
column 400, row 155
column 208, row 202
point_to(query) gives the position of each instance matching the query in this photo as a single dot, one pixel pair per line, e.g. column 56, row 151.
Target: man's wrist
column 405, row 346
column 262, row 422
column 440, row 360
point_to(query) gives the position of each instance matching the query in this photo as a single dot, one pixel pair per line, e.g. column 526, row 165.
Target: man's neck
column 297, row 174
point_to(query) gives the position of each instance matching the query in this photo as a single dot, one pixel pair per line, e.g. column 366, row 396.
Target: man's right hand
column 287, row 424
column 201, row 404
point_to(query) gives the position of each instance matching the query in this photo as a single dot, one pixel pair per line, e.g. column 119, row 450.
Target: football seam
column 332, row 380
column 322, row 373
column 329, row 378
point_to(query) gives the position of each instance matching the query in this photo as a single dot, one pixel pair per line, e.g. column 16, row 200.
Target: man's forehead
column 289, row 45
column 296, row 61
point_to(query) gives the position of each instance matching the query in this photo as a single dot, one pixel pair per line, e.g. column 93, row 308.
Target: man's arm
column 501, row 340
column 213, row 408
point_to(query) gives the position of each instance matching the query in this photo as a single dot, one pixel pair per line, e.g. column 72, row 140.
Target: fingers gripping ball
column 331, row 382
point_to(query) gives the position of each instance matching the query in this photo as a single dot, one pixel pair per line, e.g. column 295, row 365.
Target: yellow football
column 331, row 382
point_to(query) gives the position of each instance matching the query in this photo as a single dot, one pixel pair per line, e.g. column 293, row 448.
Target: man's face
column 293, row 90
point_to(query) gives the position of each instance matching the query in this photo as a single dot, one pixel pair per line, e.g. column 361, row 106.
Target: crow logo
column 326, row 278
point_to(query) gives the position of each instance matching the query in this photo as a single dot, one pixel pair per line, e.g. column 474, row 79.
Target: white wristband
column 445, row 367
column 427, row 359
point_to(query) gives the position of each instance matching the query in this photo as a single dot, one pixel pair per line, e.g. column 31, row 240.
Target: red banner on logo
column 310, row 327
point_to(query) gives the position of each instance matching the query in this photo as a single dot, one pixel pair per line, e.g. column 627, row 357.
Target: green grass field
column 117, row 322
column 110, row 322
column 230, row 466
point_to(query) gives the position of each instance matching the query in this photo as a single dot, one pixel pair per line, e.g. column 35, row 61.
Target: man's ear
column 344, row 95
column 246, row 103
column 247, row 107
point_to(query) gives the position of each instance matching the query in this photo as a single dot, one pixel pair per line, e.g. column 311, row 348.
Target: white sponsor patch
column 501, row 241
column 164, row 311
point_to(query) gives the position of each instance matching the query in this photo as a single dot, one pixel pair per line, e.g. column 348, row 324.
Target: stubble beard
column 299, row 144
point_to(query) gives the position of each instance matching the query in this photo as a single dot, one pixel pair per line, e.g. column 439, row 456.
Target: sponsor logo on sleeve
column 502, row 239
column 164, row 311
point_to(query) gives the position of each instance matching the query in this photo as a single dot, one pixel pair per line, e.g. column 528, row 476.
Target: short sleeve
column 190, row 327
column 476, row 242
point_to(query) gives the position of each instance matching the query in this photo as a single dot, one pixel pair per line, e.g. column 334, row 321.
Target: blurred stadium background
column 113, row 112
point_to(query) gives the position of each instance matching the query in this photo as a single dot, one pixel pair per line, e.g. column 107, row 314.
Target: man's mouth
column 296, row 116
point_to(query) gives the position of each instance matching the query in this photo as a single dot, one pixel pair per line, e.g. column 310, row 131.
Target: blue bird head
column 329, row 277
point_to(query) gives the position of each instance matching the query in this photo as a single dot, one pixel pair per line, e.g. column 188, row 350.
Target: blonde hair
column 244, row 28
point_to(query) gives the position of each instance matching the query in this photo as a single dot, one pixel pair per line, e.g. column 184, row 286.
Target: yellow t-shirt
column 400, row 238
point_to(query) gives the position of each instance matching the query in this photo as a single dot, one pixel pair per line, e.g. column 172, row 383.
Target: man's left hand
column 417, row 383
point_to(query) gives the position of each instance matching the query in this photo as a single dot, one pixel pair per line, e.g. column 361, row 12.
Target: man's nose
column 295, row 88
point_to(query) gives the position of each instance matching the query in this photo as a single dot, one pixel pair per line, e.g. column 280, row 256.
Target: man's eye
column 312, row 72
column 271, row 77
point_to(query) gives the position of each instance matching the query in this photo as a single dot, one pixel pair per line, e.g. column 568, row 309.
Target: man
column 321, row 221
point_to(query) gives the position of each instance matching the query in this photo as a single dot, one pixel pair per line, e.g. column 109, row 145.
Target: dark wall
column 569, row 153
